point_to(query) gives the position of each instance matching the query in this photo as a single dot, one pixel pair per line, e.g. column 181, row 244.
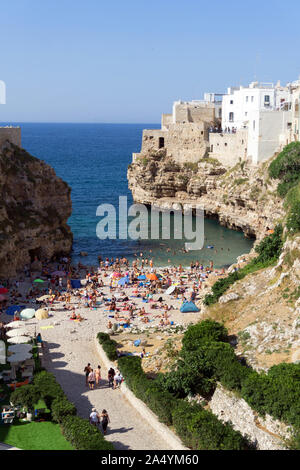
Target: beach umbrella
column 20, row 348
column 19, row 357
column 17, row 332
column 170, row 290
column 152, row 277
column 39, row 281
column 142, row 277
column 41, row 314
column 13, row 309
column 15, row 324
column 123, row 281
column 43, row 298
column 18, row 340
column 3, row 290
column 2, row 352
column 59, row 273
column 27, row 313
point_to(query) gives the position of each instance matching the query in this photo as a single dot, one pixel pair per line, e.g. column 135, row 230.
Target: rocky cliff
column 242, row 197
column 262, row 310
column 35, row 206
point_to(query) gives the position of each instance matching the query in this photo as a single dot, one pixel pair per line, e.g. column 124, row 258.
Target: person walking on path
column 98, row 375
column 91, row 379
column 104, row 420
column 87, row 370
column 110, row 377
column 94, row 417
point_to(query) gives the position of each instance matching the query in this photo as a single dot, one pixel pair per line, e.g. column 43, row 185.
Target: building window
column 252, row 99
column 254, row 125
column 231, row 117
column 246, row 114
column 267, row 100
column 225, row 144
column 247, row 97
column 231, row 101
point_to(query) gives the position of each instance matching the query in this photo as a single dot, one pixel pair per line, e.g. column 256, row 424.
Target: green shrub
column 286, row 168
column 25, row 396
column 109, row 346
column 159, row 401
column 268, row 250
column 200, row 429
column 82, row 435
column 205, row 330
column 62, row 407
column 293, row 219
column 48, row 388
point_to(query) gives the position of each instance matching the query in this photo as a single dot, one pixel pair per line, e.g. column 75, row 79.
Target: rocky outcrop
column 241, row 198
column 264, row 433
column 34, row 209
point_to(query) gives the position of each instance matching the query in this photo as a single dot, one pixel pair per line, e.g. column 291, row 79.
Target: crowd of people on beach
column 140, row 299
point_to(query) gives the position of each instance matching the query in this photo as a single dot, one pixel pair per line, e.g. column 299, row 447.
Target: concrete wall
column 229, row 148
column 13, row 134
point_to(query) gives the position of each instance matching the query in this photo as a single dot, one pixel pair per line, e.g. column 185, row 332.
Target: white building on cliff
column 257, row 121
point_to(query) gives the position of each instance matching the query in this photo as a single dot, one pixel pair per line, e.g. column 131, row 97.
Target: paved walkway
column 128, row 429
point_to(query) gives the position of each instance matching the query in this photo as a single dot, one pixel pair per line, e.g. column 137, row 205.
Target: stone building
column 184, row 134
column 10, row 134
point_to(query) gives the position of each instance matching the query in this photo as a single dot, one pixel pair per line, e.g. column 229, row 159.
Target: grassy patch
column 34, row 436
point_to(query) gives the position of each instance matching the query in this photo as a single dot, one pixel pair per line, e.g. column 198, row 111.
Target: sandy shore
column 69, row 346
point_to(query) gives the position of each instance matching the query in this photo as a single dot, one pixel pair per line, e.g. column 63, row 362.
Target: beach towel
column 46, row 327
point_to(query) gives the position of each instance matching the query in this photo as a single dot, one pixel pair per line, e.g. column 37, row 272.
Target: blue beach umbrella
column 142, row 277
column 123, row 281
column 13, row 309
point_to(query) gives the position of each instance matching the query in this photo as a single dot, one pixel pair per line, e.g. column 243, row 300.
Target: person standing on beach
column 87, row 370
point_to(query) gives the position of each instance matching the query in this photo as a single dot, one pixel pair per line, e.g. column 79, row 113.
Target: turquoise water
column 93, row 159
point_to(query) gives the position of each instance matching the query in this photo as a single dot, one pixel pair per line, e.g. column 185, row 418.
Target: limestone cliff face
column 34, row 208
column 242, row 198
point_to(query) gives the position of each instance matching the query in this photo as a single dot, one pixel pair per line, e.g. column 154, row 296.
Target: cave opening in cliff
column 35, row 253
column 161, row 142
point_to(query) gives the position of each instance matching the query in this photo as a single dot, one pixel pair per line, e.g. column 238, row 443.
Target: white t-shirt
column 94, row 416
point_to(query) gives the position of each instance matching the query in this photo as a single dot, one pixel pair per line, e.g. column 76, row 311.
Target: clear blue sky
column 128, row 60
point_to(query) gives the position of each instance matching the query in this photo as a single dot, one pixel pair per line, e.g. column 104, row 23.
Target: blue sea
column 93, row 160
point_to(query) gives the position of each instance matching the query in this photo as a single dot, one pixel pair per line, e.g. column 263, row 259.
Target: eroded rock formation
column 241, row 198
column 34, row 209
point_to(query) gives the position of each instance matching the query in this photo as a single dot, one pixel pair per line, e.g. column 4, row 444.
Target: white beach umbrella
column 17, row 332
column 27, row 313
column 19, row 357
column 18, row 340
column 15, row 324
column 2, row 352
column 20, row 348
column 44, row 297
